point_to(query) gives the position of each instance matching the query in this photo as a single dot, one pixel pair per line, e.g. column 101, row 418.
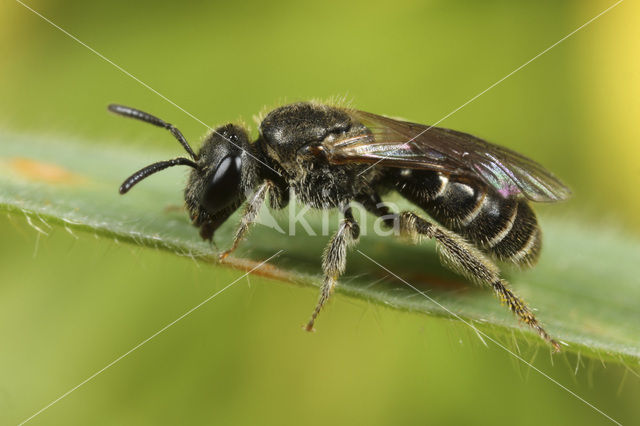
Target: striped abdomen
column 505, row 228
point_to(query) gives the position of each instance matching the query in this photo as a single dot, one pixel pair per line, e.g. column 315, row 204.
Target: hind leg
column 463, row 258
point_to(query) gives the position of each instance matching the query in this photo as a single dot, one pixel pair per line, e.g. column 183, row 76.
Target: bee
column 476, row 193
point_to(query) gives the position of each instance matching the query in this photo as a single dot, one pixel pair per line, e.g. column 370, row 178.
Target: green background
column 69, row 305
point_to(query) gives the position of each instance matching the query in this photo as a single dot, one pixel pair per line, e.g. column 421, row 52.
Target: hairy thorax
column 323, row 186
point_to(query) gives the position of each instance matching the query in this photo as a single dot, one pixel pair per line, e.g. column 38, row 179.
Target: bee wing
column 395, row 143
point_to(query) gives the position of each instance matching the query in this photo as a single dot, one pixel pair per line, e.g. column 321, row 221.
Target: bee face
column 216, row 187
column 216, row 183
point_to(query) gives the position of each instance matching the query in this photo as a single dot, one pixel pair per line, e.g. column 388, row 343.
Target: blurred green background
column 70, row 305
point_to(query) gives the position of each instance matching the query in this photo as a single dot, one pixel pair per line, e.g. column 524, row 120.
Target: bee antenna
column 153, row 168
column 146, row 117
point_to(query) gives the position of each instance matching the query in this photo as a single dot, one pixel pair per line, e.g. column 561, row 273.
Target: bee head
column 224, row 175
column 223, row 171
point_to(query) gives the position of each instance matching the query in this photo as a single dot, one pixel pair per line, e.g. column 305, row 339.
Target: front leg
column 248, row 216
column 334, row 260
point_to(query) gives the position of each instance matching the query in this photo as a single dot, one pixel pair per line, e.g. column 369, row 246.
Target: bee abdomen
column 505, row 228
column 519, row 239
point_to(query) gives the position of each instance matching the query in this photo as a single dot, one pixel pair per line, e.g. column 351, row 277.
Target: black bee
column 331, row 157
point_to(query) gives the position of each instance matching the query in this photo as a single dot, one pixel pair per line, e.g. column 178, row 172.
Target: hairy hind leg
column 460, row 256
column 467, row 260
column 334, row 260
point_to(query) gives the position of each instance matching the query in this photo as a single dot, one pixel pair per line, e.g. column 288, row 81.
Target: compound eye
column 223, row 188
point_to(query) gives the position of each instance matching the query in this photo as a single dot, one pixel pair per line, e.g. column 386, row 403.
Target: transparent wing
column 394, row 143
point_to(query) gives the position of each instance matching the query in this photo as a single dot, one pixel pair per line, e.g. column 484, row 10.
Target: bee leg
column 460, row 256
column 248, row 216
column 334, row 260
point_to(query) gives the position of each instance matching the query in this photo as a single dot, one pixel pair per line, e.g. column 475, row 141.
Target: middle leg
column 334, row 260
